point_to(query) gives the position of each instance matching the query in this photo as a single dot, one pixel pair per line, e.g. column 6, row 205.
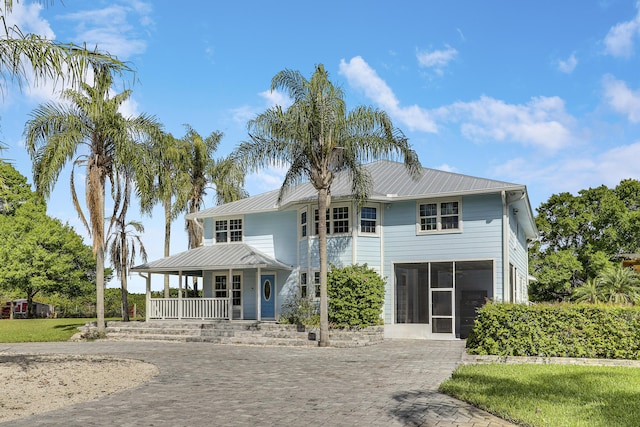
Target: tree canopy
column 582, row 235
column 39, row 254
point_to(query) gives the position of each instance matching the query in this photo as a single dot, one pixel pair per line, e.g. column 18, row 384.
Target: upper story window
column 337, row 220
column 439, row 216
column 228, row 230
column 368, row 220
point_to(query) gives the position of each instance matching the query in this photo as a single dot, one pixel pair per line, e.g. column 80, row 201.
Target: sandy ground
column 32, row 384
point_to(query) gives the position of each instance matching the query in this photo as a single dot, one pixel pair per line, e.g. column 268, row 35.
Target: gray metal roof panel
column 390, row 179
column 220, row 256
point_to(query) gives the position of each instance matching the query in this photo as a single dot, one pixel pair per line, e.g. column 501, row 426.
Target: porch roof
column 216, row 257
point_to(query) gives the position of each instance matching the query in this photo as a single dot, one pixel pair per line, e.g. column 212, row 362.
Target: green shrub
column 557, row 330
column 297, row 310
column 356, row 296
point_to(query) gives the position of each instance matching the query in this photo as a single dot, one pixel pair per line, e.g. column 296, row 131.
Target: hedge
column 557, row 330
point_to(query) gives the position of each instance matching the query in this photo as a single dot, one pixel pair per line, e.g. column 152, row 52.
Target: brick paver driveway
column 390, row 384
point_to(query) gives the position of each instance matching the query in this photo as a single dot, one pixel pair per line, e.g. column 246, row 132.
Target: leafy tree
column 90, row 122
column 48, row 59
column 556, row 274
column 14, row 189
column 592, row 229
column 38, row 254
column 316, row 138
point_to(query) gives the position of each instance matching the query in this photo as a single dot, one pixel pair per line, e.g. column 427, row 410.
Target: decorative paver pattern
column 391, row 384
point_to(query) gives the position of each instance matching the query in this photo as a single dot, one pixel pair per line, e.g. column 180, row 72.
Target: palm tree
column 164, row 179
column 203, row 169
column 48, row 59
column 317, row 138
column 619, row 285
column 589, row 292
column 91, row 131
column 123, row 237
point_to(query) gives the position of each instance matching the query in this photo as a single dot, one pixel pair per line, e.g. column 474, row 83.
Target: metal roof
column 215, row 257
column 391, row 181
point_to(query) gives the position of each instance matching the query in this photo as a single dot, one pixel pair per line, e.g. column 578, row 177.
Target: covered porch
column 238, row 282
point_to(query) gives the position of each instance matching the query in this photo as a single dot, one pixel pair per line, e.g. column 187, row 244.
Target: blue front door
column 267, row 296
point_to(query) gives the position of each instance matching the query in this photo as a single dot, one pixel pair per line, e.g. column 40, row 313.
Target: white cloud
column 436, row 59
column 110, row 28
column 619, row 41
column 266, row 179
column 274, row 97
column 567, row 66
column 447, row 168
column 361, row 76
column 573, row 172
column 622, row 99
column 542, row 122
column 27, row 18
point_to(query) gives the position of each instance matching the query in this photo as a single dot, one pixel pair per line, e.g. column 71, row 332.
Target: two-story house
column 445, row 243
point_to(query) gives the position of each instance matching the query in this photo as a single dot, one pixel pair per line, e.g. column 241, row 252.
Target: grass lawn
column 551, row 395
column 39, row 330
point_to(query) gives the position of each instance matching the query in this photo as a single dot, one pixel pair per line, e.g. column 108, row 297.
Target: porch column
column 179, row 294
column 230, row 294
column 148, row 297
column 258, row 292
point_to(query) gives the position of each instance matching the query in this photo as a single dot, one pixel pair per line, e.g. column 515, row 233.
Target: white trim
column 227, row 219
column 358, row 221
column 439, row 216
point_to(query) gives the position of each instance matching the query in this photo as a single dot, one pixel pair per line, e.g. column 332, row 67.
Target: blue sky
column 545, row 94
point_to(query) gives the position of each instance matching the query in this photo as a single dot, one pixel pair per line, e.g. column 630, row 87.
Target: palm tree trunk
column 123, row 279
column 100, row 290
column 95, row 201
column 167, row 240
column 322, row 243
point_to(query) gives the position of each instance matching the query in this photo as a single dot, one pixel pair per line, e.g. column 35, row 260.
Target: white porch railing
column 188, row 308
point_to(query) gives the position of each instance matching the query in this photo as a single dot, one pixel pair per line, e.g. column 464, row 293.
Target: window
column 315, row 218
column 235, row 230
column 337, row 220
column 316, row 283
column 439, row 216
column 303, row 224
column 303, row 285
column 368, row 220
column 228, row 230
column 221, row 231
column 220, row 290
column 341, row 220
column 236, row 289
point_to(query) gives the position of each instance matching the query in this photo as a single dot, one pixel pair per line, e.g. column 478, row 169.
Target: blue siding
column 273, row 233
column 208, row 230
column 368, row 251
column 518, row 255
column 481, row 238
column 339, row 251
